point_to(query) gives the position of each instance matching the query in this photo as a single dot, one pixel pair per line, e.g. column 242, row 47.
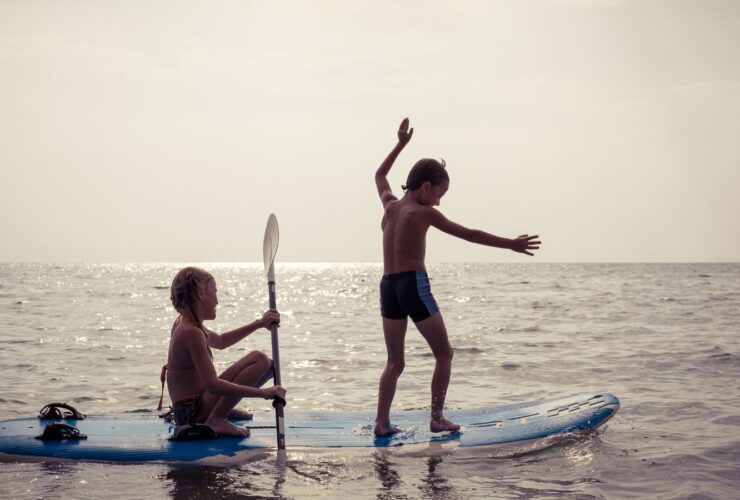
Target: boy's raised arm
column 384, row 188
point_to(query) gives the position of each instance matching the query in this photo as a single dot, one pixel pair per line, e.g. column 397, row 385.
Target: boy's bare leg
column 434, row 331
column 394, row 331
column 249, row 370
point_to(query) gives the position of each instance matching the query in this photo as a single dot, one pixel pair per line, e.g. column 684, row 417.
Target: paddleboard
column 143, row 437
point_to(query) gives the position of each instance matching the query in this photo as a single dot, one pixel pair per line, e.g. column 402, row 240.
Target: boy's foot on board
column 238, row 414
column 386, row 430
column 443, row 425
column 223, row 427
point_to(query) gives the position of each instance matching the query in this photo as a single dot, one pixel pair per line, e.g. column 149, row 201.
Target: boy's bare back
column 405, row 224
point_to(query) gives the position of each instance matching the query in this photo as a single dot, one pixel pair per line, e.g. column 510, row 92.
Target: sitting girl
column 199, row 395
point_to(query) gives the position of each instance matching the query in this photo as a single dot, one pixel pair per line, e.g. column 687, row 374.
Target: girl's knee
column 262, row 359
column 256, row 359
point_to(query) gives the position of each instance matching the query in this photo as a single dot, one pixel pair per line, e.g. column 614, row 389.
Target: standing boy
column 404, row 288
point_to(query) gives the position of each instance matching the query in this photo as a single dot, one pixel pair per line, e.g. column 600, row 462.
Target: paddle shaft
column 279, row 420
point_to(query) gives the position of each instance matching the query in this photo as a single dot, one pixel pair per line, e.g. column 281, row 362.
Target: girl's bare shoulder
column 186, row 330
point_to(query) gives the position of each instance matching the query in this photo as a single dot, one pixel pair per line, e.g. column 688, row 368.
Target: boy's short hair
column 426, row 170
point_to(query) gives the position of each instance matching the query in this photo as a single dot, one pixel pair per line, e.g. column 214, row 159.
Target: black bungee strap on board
column 193, row 432
column 56, row 411
column 56, row 431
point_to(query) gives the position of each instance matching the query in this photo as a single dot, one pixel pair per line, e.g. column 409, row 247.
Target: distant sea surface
column 665, row 338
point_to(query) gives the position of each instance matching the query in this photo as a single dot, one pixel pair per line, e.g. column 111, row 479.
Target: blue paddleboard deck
column 140, row 437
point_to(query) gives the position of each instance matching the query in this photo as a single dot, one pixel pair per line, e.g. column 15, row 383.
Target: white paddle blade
column 270, row 246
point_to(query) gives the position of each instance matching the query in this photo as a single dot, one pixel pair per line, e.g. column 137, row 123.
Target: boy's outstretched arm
column 381, row 181
column 522, row 244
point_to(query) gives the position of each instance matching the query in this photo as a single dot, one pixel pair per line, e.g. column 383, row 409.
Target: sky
column 168, row 131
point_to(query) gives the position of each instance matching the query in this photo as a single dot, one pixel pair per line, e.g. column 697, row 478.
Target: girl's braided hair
column 184, row 289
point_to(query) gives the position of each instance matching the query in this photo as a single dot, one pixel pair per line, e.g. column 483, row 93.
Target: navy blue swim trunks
column 407, row 294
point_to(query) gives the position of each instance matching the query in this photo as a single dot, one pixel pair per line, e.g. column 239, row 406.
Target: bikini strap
column 162, row 378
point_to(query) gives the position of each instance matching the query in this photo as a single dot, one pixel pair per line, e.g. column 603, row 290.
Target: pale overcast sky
column 168, row 130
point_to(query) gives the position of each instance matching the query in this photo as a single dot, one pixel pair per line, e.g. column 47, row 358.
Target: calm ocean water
column 663, row 337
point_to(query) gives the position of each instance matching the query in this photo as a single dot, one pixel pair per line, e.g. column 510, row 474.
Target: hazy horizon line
column 338, row 262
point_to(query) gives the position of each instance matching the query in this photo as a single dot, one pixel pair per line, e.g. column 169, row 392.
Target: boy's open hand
column 524, row 242
column 404, row 132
